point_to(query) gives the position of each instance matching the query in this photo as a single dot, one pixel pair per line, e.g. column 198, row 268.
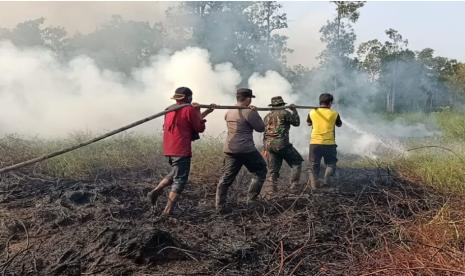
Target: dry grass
column 441, row 168
column 120, row 153
column 425, row 233
column 431, row 245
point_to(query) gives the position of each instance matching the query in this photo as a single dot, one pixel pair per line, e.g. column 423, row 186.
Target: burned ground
column 106, row 226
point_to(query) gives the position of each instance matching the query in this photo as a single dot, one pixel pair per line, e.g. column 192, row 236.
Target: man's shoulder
column 234, row 114
column 274, row 113
column 231, row 112
column 279, row 113
column 171, row 106
column 324, row 110
column 188, row 109
column 252, row 113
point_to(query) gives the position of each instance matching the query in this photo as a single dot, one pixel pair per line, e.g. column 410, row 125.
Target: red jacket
column 179, row 129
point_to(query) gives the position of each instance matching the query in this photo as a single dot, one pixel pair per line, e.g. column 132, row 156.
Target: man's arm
column 338, row 121
column 254, row 119
column 309, row 120
column 292, row 117
column 208, row 110
column 195, row 118
column 266, row 119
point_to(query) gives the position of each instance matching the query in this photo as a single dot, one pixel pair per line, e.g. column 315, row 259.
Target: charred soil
column 106, row 226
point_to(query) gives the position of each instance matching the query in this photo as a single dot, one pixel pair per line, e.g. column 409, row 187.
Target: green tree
column 269, row 18
column 409, row 80
column 370, row 56
column 32, row 33
column 338, row 33
column 243, row 33
column 395, row 51
column 118, row 44
column 456, row 81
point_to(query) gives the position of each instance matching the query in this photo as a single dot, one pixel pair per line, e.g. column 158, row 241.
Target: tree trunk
column 392, row 100
column 268, row 27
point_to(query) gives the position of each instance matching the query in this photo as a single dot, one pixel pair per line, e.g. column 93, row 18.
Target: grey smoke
column 41, row 96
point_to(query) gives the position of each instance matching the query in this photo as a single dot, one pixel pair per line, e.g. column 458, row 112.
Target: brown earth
column 106, row 227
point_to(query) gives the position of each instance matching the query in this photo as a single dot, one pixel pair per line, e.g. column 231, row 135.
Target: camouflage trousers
column 292, row 158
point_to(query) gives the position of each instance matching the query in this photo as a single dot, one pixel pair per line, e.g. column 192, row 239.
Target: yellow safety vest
column 323, row 126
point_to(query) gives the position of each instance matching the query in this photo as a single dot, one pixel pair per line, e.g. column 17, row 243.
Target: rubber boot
column 220, row 198
column 329, row 173
column 271, row 187
column 172, row 196
column 295, row 178
column 254, row 189
column 312, row 182
column 155, row 193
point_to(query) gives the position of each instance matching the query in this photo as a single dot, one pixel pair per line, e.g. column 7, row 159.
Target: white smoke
column 41, row 96
column 269, row 85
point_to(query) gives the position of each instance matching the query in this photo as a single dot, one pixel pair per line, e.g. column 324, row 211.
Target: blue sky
column 437, row 25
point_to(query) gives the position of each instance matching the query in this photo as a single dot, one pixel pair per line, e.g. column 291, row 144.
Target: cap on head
column 277, row 101
column 245, row 92
column 181, row 93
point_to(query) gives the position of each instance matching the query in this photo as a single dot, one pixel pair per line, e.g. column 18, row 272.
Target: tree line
column 386, row 74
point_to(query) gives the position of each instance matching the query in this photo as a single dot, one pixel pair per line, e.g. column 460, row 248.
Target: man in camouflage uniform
column 277, row 146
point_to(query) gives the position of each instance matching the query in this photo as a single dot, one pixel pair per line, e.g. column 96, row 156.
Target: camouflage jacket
column 277, row 125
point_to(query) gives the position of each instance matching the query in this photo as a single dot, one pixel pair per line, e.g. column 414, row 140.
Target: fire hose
column 139, row 122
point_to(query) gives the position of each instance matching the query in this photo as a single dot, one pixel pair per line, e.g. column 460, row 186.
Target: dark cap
column 181, row 92
column 245, row 92
column 277, row 101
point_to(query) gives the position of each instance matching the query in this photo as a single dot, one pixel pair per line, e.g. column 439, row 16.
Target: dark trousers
column 180, row 168
column 276, row 157
column 317, row 152
column 232, row 164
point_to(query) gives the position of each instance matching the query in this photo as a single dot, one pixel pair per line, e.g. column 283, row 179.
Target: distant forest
column 387, row 74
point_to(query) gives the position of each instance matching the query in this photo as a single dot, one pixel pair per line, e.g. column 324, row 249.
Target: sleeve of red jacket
column 195, row 118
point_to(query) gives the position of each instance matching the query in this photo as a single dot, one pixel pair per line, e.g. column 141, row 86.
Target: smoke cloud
column 41, row 96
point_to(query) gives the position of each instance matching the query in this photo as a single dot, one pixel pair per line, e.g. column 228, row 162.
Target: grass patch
column 410, row 118
column 452, row 124
column 207, row 158
column 436, row 167
column 120, row 153
column 442, row 168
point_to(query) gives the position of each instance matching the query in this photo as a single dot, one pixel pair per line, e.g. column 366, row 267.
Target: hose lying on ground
column 111, row 133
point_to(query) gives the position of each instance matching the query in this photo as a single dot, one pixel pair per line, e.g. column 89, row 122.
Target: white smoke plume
column 41, row 96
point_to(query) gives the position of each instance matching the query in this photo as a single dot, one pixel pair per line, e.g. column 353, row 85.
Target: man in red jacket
column 180, row 128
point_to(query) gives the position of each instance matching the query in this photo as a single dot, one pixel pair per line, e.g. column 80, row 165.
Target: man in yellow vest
column 323, row 121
